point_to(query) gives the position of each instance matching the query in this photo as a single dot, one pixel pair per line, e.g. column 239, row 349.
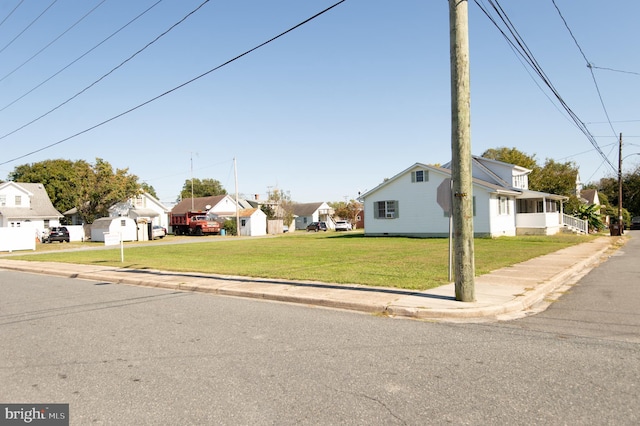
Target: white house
column 27, row 204
column 253, row 222
column 312, row 212
column 146, row 210
column 408, row 203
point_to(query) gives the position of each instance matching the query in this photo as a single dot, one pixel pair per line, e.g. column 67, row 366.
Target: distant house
column 590, row 196
column 218, row 206
column 146, row 210
column 408, row 204
column 27, row 204
column 313, row 212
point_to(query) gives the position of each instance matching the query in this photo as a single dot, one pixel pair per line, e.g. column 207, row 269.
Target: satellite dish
column 208, row 207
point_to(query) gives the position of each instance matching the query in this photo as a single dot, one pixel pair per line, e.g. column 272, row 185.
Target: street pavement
column 512, row 292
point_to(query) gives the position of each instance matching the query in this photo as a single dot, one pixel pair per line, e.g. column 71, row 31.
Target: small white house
column 114, row 225
column 253, row 222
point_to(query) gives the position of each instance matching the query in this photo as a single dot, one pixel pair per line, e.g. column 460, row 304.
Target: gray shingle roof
column 41, row 206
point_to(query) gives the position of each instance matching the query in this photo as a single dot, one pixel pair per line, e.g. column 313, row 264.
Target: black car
column 635, row 222
column 317, row 226
column 57, row 233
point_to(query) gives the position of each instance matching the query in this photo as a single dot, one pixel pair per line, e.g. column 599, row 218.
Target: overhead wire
column 115, row 117
column 11, row 13
column 80, row 57
column 53, row 41
column 520, row 46
column 28, row 26
column 106, row 74
column 589, row 65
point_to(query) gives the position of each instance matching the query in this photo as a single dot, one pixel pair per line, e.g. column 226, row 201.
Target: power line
column 518, row 43
column 53, row 41
column 108, row 73
column 80, row 57
column 115, row 117
column 11, row 13
column 614, row 70
column 595, row 82
column 28, row 26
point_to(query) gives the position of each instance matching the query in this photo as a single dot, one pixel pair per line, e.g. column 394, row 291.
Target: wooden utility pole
column 464, row 267
column 620, row 223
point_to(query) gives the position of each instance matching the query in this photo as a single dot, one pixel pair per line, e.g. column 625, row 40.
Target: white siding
column 502, row 224
column 418, row 210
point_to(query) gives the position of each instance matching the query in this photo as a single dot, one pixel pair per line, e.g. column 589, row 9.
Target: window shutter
column 426, row 175
column 397, row 213
column 413, row 176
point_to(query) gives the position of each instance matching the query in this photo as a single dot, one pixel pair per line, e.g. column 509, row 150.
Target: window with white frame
column 3, row 200
column 420, row 176
column 386, row 209
column 18, row 200
column 503, row 206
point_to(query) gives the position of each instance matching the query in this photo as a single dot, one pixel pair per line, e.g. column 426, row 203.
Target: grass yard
column 408, row 263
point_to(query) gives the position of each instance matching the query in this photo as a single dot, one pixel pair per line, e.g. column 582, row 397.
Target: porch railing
column 575, row 223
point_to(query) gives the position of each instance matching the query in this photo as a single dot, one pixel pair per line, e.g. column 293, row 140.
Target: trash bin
column 615, row 229
column 223, row 232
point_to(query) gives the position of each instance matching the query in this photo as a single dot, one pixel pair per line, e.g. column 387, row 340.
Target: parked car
column 317, row 226
column 56, row 233
column 158, row 232
column 343, row 225
column 635, row 222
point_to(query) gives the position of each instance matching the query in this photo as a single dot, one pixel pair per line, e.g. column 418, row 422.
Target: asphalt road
column 123, row 355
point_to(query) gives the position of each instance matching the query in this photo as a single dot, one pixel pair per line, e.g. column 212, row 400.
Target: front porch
column 541, row 214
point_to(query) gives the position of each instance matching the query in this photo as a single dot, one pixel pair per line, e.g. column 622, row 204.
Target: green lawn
column 409, row 263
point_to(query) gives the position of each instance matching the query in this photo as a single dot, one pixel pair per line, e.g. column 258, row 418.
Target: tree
column 346, row 210
column 202, row 188
column 58, row 177
column 281, row 205
column 99, row 187
column 511, row 156
column 555, row 178
column 148, row 189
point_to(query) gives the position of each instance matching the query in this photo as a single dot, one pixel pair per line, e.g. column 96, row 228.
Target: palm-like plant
column 591, row 214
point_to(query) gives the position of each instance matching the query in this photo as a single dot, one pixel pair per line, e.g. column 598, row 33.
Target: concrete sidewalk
column 506, row 293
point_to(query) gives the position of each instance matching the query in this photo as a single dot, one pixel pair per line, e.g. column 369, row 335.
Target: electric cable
column 28, row 26
column 81, row 56
column 107, row 74
column 53, row 41
column 11, row 13
column 522, row 49
column 115, row 117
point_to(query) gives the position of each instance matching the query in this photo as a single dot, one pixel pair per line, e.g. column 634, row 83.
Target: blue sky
column 330, row 109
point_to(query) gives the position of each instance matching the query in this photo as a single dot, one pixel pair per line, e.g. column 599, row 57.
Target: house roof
column 589, row 195
column 41, row 206
column 487, row 185
column 247, row 212
column 199, row 204
column 306, row 209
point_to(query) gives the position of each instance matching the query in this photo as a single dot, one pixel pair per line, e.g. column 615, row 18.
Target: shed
column 114, row 225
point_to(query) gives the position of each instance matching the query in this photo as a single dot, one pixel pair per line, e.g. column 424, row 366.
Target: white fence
column 20, row 238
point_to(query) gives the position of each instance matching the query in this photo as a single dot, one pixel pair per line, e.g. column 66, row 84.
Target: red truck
column 193, row 223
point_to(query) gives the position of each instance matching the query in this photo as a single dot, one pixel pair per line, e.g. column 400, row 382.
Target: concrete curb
column 505, row 292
